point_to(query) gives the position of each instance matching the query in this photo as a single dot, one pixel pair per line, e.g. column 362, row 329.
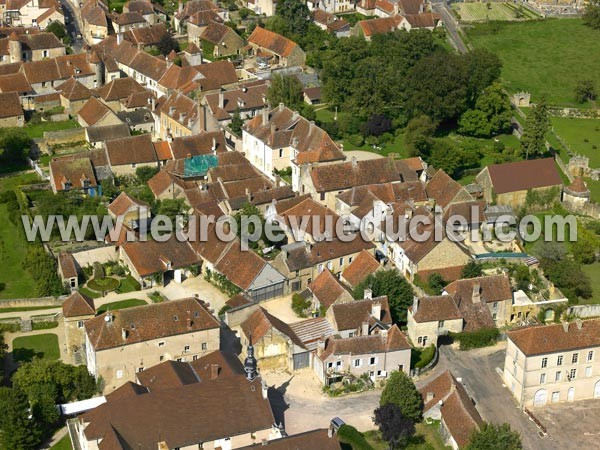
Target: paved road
column 452, row 28
column 73, row 24
column 477, row 368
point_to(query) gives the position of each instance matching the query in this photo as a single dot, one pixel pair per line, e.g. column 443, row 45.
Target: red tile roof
column 260, row 322
column 366, row 345
column 327, row 289
column 93, row 111
column 151, row 257
column 271, row 41
column 351, row 315
column 67, row 265
column 363, row 265
column 131, row 150
column 123, row 203
column 77, row 305
column 11, row 105
column 524, row 175
column 436, row 308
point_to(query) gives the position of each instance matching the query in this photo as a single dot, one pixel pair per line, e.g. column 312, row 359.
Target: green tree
column 418, row 134
column 495, row 437
column 586, row 246
column 585, row 91
column 436, row 283
column 58, row 29
column 43, row 269
column 471, row 270
column 391, row 283
column 167, row 44
column 236, row 121
column 285, row 89
column 537, row 125
column 492, row 113
column 402, row 392
column 295, row 14
column 14, row 144
column 17, row 430
column 144, row 174
column 591, row 16
column 395, row 429
column 171, row 207
column 474, row 122
column 445, row 155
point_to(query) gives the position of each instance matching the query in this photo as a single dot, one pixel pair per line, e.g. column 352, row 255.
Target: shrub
column 98, row 271
column 300, row 305
column 483, row 337
column 426, row 357
column 356, row 140
column 347, row 434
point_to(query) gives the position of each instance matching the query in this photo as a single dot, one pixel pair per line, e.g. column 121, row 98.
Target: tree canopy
column 285, row 89
column 293, row 15
column 14, row 144
column 536, row 126
column 402, row 392
column 471, row 270
column 395, row 428
column 391, row 283
column 495, row 437
column 17, row 430
column 591, row 16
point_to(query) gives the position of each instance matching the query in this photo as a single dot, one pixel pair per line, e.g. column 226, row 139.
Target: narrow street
column 450, row 23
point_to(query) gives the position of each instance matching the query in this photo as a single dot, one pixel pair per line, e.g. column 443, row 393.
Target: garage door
column 301, row 360
column 540, row 398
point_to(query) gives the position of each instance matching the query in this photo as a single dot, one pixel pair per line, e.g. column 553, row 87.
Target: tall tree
column 394, row 427
column 296, row 15
column 17, row 430
column 495, row 437
column 591, row 16
column 394, row 285
column 537, row 125
column 402, row 392
column 236, row 121
column 285, row 89
column 585, row 91
column 471, row 270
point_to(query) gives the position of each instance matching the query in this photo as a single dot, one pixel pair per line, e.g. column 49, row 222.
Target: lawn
column 128, row 284
column 581, row 135
column 123, row 304
column 63, row 444
column 37, row 130
column 593, row 271
column 25, row 348
column 477, row 12
column 594, row 187
column 89, row 293
column 541, row 56
column 103, row 284
column 427, row 437
column 26, row 308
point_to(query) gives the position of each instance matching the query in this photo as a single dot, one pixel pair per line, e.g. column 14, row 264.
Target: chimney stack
column 415, row 305
column 281, row 106
column 579, row 324
column 376, row 310
column 273, row 129
column 119, row 38
column 265, row 116
column 214, row 371
column 214, row 145
column 365, row 329
column 368, row 294
column 476, row 298
column 221, row 99
column 354, row 162
column 565, row 326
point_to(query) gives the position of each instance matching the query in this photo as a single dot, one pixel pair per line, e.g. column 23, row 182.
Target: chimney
column 281, row 106
column 365, row 329
column 330, row 432
column 429, row 397
column 384, row 335
column 153, row 103
column 354, row 162
column 578, row 323
column 295, row 115
column 248, row 194
column 265, row 116
column 214, row 371
column 415, row 305
column 565, row 326
column 221, row 99
column 277, row 180
column 376, row 310
column 476, row 298
column 265, row 389
column 273, row 128
column 320, row 346
column 396, row 8
column 295, row 142
column 214, row 145
column 368, row 294
column 124, row 333
column 119, row 38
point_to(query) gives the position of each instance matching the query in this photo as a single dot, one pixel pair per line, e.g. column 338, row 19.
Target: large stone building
column 77, row 310
column 277, row 49
column 431, row 317
column 553, row 363
column 119, row 344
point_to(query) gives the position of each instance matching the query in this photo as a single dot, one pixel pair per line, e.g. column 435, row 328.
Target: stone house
column 119, row 344
column 73, row 95
column 445, row 191
column 376, row 355
column 553, row 363
column 431, row 317
column 26, row 46
column 222, row 39
column 249, row 100
column 276, row 346
column 77, row 310
column 67, row 270
column 11, row 113
column 127, row 154
column 144, row 8
column 278, row 50
column 70, row 172
column 32, row 13
column 508, row 183
column 360, row 317
column 360, row 268
column 95, row 113
column 327, row 290
column 96, row 26
column 130, row 210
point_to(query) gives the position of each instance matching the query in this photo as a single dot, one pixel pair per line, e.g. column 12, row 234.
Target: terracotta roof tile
column 198, row 144
column 351, row 315
column 11, row 105
column 131, row 150
column 366, row 345
column 309, row 440
column 363, row 265
column 524, row 175
column 380, row 25
column 123, row 203
column 15, row 82
column 72, row 170
column 93, row 111
column 77, row 305
column 271, row 41
column 73, row 90
column 120, row 88
column 436, row 308
column 327, row 289
column 151, row 257
column 260, row 322
column 67, row 265
column 443, row 189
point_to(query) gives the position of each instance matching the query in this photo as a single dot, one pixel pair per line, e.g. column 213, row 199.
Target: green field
column 37, row 130
column 129, row 303
column 63, row 444
column 25, row 348
column 477, row 12
column 593, row 271
column 427, row 437
column 581, row 135
column 543, row 57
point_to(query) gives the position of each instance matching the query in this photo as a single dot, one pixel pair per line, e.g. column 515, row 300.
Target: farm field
column 479, row 11
column 581, row 135
column 535, row 60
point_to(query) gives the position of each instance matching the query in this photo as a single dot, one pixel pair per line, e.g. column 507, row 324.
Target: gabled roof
column 15, row 82
column 363, row 265
column 309, row 440
column 273, row 42
column 215, row 33
column 151, row 257
column 524, row 175
column 198, row 144
column 261, row 322
column 443, row 189
column 391, row 340
column 301, row 256
column 244, row 98
column 351, row 315
column 144, row 36
column 327, row 289
column 423, row 20
column 11, row 105
column 67, row 265
column 148, row 322
column 492, row 288
column 93, row 111
column 435, row 308
column 73, row 90
column 127, row 18
column 107, row 132
column 119, row 88
column 72, row 170
column 380, row 25
column 539, row 340
column 77, row 305
column 124, row 202
column 131, row 150
column 95, row 13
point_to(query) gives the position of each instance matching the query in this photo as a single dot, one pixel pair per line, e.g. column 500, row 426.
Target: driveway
column 282, row 309
column 572, row 426
column 191, row 287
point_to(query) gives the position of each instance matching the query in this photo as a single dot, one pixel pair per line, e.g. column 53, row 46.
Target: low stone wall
column 61, row 137
column 100, row 254
column 584, row 311
column 587, row 209
column 31, row 302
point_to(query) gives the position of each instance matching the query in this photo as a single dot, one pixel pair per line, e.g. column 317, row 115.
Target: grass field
column 25, row 348
column 63, row 444
column 37, row 130
column 581, row 135
column 123, row 304
column 543, row 57
column 427, row 437
column 593, row 271
column 477, row 12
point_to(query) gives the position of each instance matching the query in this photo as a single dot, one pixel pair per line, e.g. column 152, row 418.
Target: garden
column 45, row 346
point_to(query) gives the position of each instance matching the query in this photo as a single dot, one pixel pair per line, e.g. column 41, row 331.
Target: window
column 590, row 356
column 322, row 196
column 341, row 261
column 559, row 360
column 441, row 324
column 572, row 374
column 357, row 362
column 379, row 373
column 495, row 306
column 194, row 358
column 351, row 334
column 179, row 359
column 338, row 364
column 542, row 378
column 330, row 265
column 558, row 376
column 544, row 362
column 320, row 268
column 119, row 374
column 161, row 344
column 420, row 340
column 350, row 260
column 161, row 358
column 588, row 371
column 80, row 324
column 494, row 316
column 575, row 358
column 329, row 365
column 45, row 53
column 140, row 369
column 281, row 153
column 372, row 360
column 186, row 349
column 204, row 346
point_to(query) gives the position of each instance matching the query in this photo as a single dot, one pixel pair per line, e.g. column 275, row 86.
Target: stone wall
column 32, row 302
column 584, row 311
column 100, row 254
column 61, row 137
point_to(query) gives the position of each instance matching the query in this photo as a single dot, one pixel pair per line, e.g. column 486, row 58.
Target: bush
column 356, row 140
column 347, row 434
column 426, row 357
column 477, row 339
column 300, row 305
column 98, row 271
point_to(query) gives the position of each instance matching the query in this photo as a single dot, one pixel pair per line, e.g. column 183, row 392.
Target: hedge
column 426, row 357
column 347, row 434
column 483, row 337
